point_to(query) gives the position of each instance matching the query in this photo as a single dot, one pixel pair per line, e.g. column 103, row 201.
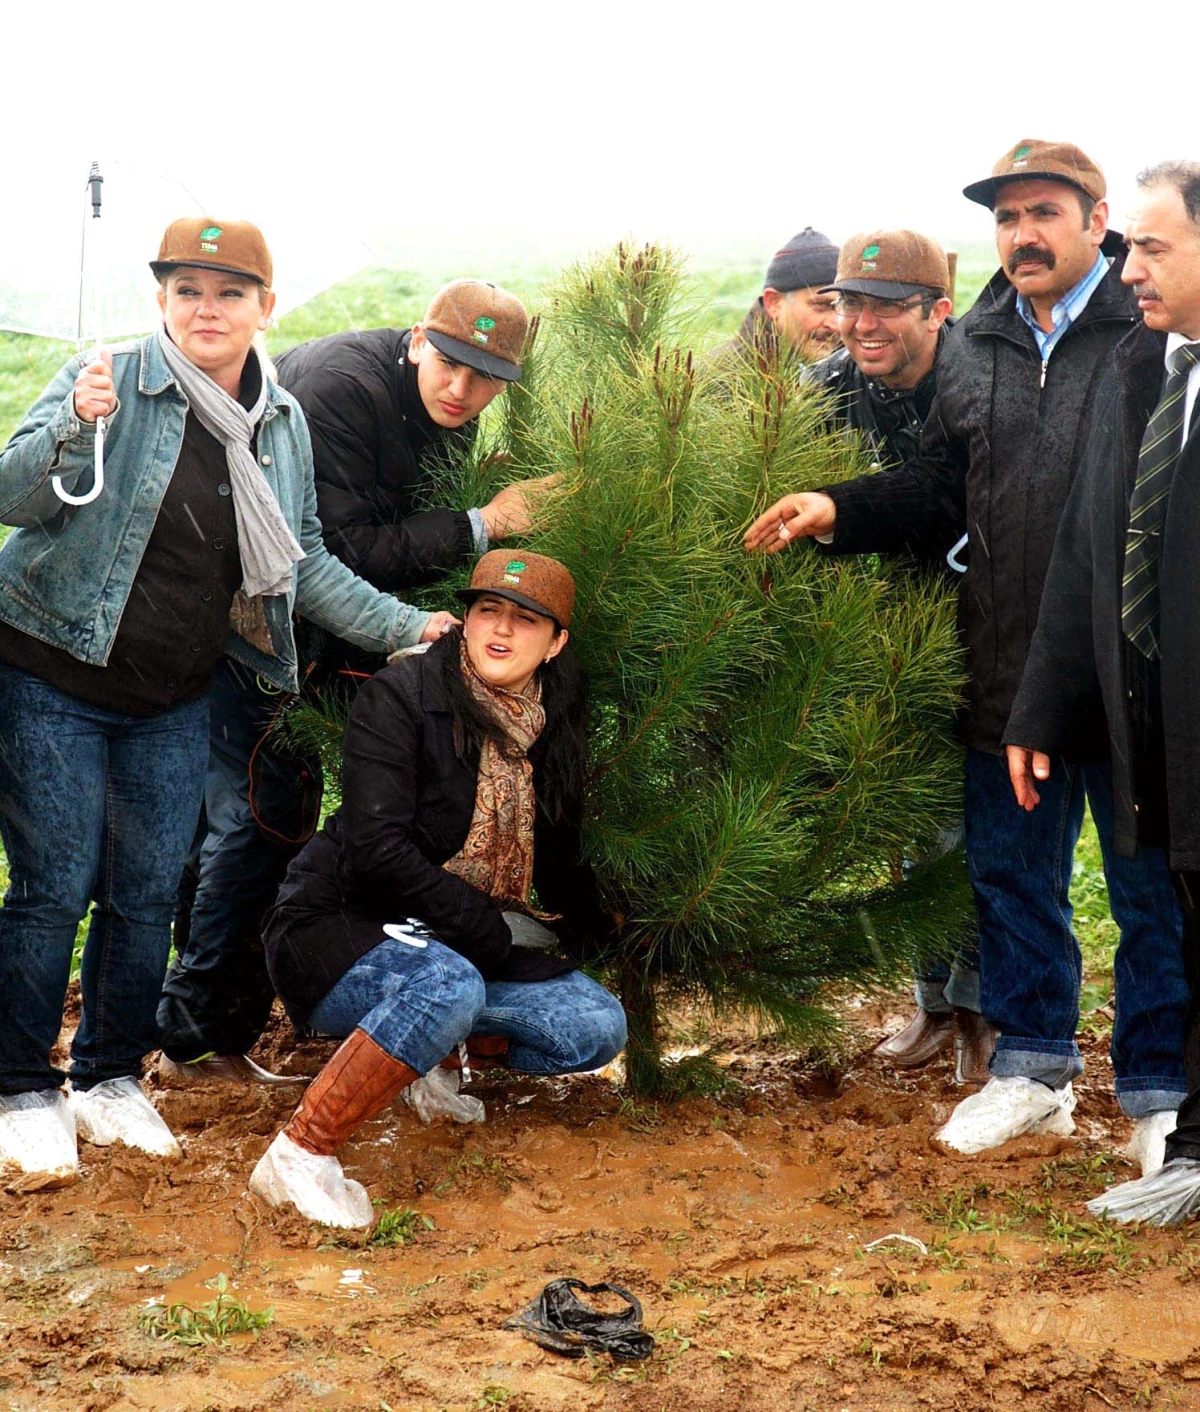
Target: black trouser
column 1185, row 1140
column 261, row 806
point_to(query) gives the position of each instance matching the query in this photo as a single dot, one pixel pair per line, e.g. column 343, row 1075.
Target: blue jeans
column 418, row 1003
column 217, row 995
column 1030, row 964
column 96, row 807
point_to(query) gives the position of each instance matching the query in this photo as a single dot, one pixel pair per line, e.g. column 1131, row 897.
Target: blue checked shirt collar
column 1066, row 311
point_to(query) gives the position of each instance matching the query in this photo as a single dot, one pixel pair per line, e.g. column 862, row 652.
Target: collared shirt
column 1181, row 340
column 1066, row 311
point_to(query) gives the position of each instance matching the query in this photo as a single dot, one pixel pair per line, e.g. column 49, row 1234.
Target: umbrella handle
column 97, row 477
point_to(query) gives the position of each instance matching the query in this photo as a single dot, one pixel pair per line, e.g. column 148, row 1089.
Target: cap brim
column 881, row 288
column 469, row 595
column 984, row 192
column 473, row 357
column 164, row 267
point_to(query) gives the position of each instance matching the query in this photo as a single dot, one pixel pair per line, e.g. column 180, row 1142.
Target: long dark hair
column 559, row 755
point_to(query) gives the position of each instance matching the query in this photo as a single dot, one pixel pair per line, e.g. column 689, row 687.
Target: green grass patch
column 399, row 1227
column 196, row 1326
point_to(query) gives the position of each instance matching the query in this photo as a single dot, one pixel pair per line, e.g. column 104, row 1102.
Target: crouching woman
column 463, row 776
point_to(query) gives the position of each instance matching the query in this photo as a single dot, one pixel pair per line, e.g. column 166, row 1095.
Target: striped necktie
column 1161, row 446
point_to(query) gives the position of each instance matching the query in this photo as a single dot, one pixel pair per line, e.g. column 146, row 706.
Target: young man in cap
column 999, row 452
column 890, row 298
column 794, row 311
column 1123, row 584
column 385, row 407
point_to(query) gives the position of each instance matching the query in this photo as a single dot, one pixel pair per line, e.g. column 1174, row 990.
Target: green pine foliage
column 770, row 736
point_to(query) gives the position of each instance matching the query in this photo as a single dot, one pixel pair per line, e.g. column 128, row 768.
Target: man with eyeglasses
column 999, row 452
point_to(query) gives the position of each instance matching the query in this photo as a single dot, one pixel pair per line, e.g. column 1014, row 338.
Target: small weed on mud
column 1086, row 1174
column 399, row 1227
column 203, row 1324
column 956, row 1210
column 493, row 1395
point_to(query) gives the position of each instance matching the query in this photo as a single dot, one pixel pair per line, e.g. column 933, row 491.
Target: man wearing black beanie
column 793, row 312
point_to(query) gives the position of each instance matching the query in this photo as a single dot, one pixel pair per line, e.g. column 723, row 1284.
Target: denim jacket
column 66, row 572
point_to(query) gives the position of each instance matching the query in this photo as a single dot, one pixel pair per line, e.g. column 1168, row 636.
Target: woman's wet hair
column 559, row 755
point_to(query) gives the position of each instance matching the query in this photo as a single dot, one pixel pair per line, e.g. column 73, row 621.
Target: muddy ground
column 743, row 1223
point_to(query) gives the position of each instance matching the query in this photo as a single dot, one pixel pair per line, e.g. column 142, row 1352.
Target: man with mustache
column 998, row 456
column 1123, row 585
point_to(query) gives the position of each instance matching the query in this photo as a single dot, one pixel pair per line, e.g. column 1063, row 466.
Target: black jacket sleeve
column 567, row 886
column 379, row 861
column 1060, row 684
column 920, row 507
column 390, row 551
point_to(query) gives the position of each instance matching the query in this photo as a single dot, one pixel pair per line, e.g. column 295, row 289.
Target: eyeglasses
column 849, row 306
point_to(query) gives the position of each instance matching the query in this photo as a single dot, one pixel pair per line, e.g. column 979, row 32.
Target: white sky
column 551, row 127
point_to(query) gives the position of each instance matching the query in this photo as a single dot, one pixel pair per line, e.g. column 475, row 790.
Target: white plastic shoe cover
column 118, row 1111
column 437, row 1096
column 1005, row 1108
column 1164, row 1198
column 316, row 1186
column 37, row 1138
column 1148, row 1145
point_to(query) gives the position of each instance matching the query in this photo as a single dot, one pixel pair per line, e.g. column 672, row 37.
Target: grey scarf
column 266, row 546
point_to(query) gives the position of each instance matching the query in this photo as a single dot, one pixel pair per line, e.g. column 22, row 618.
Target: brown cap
column 480, row 325
column 1034, row 160
column 237, row 247
column 542, row 585
column 891, row 264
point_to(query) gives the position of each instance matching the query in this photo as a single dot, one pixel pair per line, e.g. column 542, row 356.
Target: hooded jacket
column 999, row 452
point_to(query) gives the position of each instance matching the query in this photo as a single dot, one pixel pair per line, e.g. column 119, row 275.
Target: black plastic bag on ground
column 558, row 1320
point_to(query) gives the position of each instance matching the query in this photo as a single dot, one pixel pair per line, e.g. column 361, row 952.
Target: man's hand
column 512, row 510
column 793, row 517
column 439, row 625
column 95, row 395
column 1025, row 766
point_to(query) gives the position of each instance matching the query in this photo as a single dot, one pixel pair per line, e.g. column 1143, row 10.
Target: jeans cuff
column 962, row 989
column 1140, row 1097
column 1054, row 1062
column 931, row 996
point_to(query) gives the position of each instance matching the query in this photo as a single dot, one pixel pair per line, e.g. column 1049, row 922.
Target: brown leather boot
column 974, row 1045
column 359, row 1081
column 924, row 1037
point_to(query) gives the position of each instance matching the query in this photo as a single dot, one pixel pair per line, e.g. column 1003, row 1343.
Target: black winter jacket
column 1080, row 645
column 999, row 452
column 407, row 807
column 373, row 448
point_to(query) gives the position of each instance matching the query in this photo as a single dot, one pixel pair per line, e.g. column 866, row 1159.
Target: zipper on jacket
column 1045, row 365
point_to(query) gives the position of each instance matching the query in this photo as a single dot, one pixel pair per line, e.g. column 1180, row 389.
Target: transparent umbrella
column 93, row 285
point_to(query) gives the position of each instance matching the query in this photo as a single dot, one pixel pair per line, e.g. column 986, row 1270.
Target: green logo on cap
column 485, row 323
column 515, row 566
column 211, row 233
column 870, row 252
column 1023, row 151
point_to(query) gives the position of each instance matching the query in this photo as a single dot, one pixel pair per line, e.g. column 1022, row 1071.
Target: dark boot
column 222, row 1068
column 922, row 1039
column 974, row 1045
column 484, row 1051
column 358, row 1082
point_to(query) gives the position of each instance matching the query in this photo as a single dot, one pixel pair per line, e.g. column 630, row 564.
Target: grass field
column 720, row 294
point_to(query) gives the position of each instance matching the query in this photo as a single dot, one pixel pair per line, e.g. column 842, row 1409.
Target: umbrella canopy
column 68, row 276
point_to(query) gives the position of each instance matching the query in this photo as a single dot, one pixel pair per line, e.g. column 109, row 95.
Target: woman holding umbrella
column 111, row 619
column 398, row 925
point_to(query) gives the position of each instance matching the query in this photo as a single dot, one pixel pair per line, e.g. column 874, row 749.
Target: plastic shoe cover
column 37, row 1139
column 118, row 1111
column 316, row 1186
column 1165, row 1198
column 1006, row 1108
column 1147, row 1147
column 437, row 1096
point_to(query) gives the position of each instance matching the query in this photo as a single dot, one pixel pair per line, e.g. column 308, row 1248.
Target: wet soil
column 753, row 1227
